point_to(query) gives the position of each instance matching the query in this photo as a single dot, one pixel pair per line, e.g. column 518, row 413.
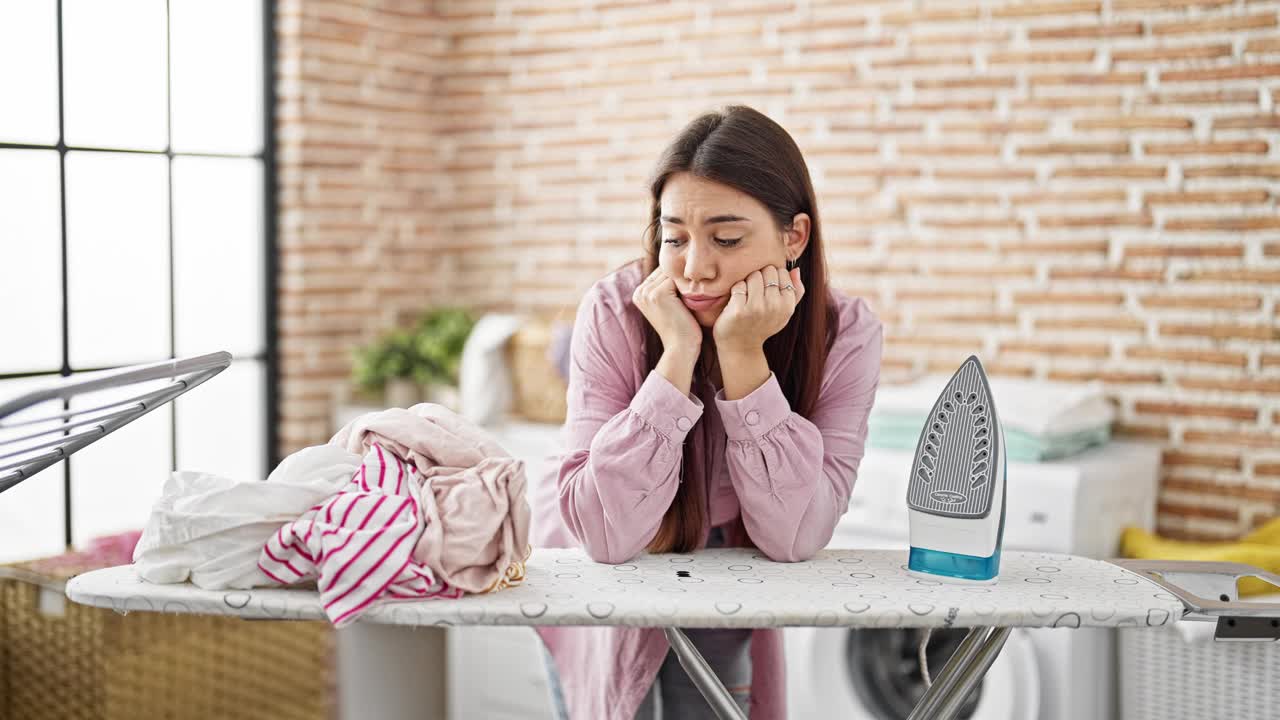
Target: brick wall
column 1073, row 189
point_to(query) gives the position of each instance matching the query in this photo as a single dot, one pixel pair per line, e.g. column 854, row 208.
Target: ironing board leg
column 961, row 674
column 701, row 674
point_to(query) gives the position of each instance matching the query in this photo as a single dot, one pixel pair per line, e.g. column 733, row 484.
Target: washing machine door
column 874, row 674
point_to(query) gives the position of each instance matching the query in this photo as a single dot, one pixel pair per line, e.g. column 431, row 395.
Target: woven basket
column 88, row 663
column 539, row 389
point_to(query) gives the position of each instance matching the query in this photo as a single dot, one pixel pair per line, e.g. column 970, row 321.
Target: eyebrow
column 709, row 221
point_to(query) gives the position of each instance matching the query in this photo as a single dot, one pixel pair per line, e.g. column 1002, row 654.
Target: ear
column 796, row 238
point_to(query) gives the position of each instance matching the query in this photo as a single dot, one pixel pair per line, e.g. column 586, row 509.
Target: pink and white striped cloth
column 359, row 544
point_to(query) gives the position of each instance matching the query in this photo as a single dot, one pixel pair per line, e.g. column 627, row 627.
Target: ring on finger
column 789, row 287
column 771, row 284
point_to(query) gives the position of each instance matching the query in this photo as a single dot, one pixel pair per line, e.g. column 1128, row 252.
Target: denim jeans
column 673, row 696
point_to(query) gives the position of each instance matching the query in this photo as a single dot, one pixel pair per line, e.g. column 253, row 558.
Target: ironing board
column 739, row 588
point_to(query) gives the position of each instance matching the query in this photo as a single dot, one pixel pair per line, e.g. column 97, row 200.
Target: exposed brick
column 1132, row 122
column 1195, row 410
column 1197, row 510
column 1188, row 301
column 1221, row 331
column 1036, row 9
column 1207, row 197
column 1067, row 298
column 1124, row 5
column 1189, row 356
column 1169, row 250
column 1075, row 148
column 1041, row 56
column 1182, row 458
column 1215, row 24
column 1130, row 172
column 1055, row 348
column 1177, row 52
column 1086, row 31
column 1136, row 431
column 1233, row 224
column 1243, row 147
column 1238, row 72
column 1261, row 170
column 505, row 153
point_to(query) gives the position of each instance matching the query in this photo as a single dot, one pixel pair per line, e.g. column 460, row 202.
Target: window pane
column 31, row 255
column 115, row 73
column 118, row 258
column 218, row 275
column 29, row 72
column 115, row 480
column 221, row 424
column 31, row 513
column 217, row 76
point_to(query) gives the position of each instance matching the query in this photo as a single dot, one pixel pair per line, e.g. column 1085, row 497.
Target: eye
column 728, row 242
column 671, row 241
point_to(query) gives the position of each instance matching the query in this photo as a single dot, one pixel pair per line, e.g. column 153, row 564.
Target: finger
column 797, row 283
column 665, row 286
column 755, row 285
column 737, row 295
column 770, row 276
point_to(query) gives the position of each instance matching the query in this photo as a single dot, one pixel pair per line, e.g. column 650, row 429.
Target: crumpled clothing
column 358, row 545
column 476, row 515
column 211, row 529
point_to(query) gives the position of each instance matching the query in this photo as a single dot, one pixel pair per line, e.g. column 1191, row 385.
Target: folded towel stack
column 1042, row 420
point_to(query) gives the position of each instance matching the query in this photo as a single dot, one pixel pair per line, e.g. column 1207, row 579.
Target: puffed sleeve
column 621, row 466
column 793, row 475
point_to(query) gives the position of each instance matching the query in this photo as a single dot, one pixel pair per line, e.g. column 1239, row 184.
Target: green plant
column 428, row 353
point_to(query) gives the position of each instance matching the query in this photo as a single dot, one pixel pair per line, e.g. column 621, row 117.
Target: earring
column 791, row 264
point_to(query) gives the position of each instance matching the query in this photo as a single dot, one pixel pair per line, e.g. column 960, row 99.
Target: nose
column 699, row 263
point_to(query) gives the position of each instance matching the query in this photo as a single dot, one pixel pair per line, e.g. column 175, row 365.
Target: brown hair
column 745, row 150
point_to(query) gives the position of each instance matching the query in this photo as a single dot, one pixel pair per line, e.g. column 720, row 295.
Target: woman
column 718, row 395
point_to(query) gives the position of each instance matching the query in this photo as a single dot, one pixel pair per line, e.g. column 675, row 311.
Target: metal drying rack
column 29, row 445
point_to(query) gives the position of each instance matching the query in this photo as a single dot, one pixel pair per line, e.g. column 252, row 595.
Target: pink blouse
column 788, row 476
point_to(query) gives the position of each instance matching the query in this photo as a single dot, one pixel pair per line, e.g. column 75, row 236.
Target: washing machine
column 1076, row 505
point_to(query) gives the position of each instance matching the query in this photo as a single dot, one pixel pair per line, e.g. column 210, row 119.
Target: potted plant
column 421, row 363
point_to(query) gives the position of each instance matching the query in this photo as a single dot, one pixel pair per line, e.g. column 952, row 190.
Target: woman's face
column 712, row 236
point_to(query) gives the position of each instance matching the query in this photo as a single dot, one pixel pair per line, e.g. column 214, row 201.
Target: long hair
column 745, row 150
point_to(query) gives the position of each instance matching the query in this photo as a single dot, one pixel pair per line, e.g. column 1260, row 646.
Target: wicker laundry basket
column 539, row 389
column 63, row 661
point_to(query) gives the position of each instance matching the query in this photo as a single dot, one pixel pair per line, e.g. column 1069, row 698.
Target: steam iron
column 956, row 494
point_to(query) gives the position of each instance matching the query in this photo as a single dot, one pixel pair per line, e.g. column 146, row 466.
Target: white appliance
column 1076, row 505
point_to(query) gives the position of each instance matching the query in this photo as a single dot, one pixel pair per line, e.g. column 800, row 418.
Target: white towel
column 484, row 379
column 211, row 529
column 1036, row 407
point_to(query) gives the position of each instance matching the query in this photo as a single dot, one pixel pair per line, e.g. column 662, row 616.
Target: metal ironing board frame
column 17, row 463
column 964, row 671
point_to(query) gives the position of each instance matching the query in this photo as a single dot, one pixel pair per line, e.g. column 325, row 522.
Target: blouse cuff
column 661, row 405
column 755, row 415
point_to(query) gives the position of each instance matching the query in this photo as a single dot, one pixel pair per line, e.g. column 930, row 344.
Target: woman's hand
column 660, row 303
column 760, row 306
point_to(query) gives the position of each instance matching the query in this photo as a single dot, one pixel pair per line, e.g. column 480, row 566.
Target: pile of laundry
column 399, row 504
column 1042, row 420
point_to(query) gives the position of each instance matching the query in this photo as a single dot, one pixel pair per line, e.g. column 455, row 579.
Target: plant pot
column 402, row 393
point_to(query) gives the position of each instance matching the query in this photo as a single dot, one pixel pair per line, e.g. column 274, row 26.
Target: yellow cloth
column 1260, row 548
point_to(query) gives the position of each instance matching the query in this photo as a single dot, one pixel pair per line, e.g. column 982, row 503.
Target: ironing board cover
column 713, row 588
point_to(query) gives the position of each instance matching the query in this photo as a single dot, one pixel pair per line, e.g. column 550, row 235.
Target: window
column 136, row 216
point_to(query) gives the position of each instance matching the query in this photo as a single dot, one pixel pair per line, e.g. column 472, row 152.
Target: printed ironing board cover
column 729, row 587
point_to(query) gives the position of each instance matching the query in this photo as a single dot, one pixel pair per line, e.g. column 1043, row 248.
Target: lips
column 701, row 302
